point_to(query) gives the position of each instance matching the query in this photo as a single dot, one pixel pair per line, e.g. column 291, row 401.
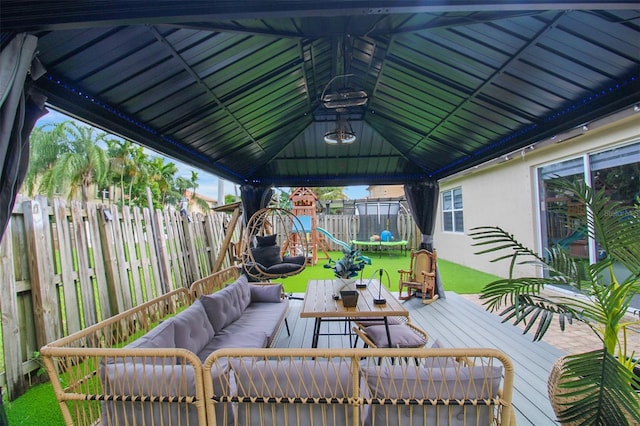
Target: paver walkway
column 577, row 337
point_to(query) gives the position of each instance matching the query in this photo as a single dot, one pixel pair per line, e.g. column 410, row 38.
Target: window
column 452, row 211
column 616, row 170
column 103, row 194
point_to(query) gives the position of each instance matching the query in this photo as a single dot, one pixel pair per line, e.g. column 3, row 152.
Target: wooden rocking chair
column 421, row 276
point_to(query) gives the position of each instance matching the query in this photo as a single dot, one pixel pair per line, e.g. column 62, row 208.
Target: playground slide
column 330, row 236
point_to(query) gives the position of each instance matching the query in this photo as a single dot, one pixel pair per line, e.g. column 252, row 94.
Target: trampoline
column 378, row 226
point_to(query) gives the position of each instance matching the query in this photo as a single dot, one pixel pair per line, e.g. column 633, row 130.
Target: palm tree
column 330, row 193
column 47, row 143
column 596, row 387
column 163, row 174
column 136, row 172
column 84, row 164
column 120, row 153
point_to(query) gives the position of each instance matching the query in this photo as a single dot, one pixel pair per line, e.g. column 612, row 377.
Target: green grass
column 454, row 277
column 39, row 406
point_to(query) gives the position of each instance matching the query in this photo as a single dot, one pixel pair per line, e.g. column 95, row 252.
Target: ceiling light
column 342, row 135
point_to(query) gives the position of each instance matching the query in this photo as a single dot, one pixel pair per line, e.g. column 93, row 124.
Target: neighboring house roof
column 189, row 195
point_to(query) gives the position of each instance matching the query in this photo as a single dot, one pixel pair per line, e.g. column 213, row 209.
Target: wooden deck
column 458, row 322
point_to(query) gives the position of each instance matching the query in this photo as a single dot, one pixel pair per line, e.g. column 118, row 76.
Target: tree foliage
column 71, row 159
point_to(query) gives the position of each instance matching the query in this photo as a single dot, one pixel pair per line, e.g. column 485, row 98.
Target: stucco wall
column 505, row 194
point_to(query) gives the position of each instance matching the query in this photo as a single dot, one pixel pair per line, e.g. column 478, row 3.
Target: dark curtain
column 254, row 198
column 20, row 109
column 422, row 198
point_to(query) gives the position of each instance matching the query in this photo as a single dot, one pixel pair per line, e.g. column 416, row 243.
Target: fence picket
column 118, row 236
column 153, row 259
column 40, row 271
column 141, row 254
column 14, row 378
column 93, row 229
column 132, row 258
column 163, row 254
column 81, row 254
column 68, row 277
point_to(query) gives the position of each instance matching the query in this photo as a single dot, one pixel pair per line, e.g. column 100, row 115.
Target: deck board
column 458, row 322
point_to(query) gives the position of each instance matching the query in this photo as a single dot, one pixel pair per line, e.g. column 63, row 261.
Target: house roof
column 235, row 88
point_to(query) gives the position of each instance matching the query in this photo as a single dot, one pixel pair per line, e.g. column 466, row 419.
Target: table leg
column 316, row 332
column 386, row 326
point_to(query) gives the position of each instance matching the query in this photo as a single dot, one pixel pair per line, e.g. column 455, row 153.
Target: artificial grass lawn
column 458, row 278
column 39, row 406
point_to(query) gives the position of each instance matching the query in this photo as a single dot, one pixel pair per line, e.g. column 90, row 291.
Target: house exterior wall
column 505, row 194
column 386, row 191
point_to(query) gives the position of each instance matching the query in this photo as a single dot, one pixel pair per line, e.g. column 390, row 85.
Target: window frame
column 452, row 211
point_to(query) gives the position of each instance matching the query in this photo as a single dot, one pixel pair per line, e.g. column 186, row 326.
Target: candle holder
column 380, row 300
column 360, row 283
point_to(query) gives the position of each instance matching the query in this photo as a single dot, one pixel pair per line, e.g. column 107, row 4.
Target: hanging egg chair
column 275, row 245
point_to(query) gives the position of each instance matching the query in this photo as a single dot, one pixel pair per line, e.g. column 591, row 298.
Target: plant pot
column 349, row 298
column 560, row 401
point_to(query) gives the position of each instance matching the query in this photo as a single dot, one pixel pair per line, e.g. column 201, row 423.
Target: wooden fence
column 64, row 268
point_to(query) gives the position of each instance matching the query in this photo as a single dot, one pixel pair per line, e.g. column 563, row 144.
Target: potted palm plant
column 597, row 387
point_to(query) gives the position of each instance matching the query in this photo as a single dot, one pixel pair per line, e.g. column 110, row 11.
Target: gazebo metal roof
column 235, row 87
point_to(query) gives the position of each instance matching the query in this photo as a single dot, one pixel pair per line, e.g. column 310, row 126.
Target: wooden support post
column 227, row 239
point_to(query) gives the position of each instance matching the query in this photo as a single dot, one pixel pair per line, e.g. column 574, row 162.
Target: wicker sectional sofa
column 166, row 363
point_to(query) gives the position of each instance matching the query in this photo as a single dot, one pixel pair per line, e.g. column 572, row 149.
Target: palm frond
column 499, row 240
column 595, row 385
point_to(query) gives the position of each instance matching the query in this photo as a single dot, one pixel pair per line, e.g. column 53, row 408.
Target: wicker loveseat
column 124, row 371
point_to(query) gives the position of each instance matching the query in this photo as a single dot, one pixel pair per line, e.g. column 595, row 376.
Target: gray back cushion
column 192, row 328
column 266, row 293
column 225, row 306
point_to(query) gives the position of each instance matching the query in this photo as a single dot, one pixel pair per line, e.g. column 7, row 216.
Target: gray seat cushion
column 265, row 317
column 225, row 339
column 299, row 378
column 449, row 383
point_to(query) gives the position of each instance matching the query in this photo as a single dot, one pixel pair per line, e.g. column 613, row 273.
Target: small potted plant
column 347, row 268
column 597, row 387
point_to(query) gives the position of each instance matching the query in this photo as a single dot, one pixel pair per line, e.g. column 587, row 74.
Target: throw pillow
column 266, row 241
column 267, row 256
column 266, row 293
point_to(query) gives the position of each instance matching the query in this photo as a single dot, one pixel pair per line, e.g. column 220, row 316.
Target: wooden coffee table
column 320, row 304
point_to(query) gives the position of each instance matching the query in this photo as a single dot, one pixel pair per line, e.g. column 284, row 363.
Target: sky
column 207, row 182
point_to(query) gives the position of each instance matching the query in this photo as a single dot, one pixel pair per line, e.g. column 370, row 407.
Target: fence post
column 158, row 243
column 163, row 256
column 14, row 374
column 43, row 290
column 193, row 273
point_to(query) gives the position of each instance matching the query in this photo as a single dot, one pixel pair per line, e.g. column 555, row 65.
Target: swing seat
column 270, row 249
column 269, row 262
